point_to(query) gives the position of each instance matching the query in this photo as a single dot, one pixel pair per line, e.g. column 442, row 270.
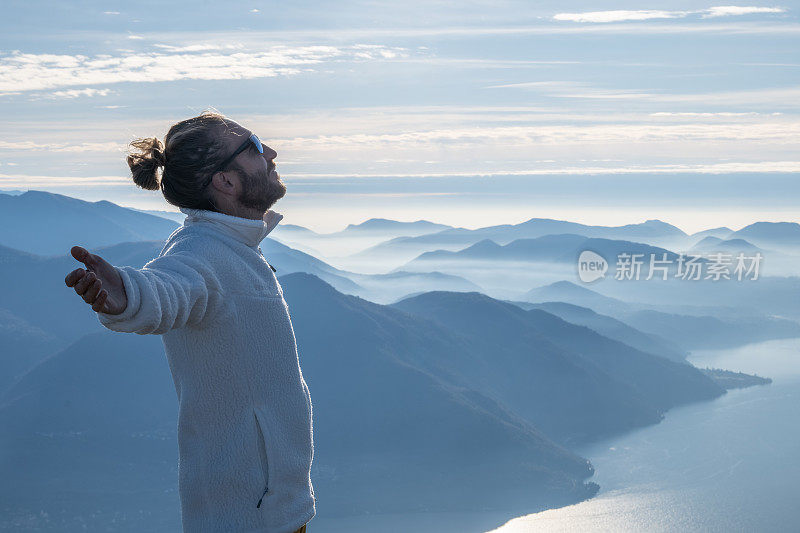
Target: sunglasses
column 252, row 139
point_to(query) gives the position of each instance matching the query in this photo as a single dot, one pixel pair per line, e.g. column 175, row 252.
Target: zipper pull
column 262, row 497
column 262, row 255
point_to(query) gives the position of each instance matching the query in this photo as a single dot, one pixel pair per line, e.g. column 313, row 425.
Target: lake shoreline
column 727, row 464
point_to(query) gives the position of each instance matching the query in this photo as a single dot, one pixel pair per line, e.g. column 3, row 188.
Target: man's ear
column 225, row 182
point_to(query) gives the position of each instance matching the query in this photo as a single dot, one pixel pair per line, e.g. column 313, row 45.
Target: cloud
column 493, row 63
column 617, row 16
column 255, row 39
column 22, row 180
column 200, row 47
column 699, row 114
column 623, row 15
column 577, row 89
column 782, row 167
column 771, row 96
column 560, row 135
column 36, row 72
column 724, row 11
column 75, row 93
column 30, row 146
column 450, row 141
column 391, row 133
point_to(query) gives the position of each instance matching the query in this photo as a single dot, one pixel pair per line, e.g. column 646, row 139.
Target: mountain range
column 391, row 433
column 686, row 327
column 48, row 224
column 447, row 399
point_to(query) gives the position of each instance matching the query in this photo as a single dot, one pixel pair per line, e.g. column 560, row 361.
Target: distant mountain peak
column 654, row 222
column 465, row 297
column 708, row 241
column 738, row 242
column 776, row 228
column 778, row 233
column 483, row 245
column 565, row 288
column 536, row 219
column 383, row 223
column 568, row 285
column 35, row 192
column 303, row 281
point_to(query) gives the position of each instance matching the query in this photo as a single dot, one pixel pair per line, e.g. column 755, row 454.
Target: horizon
column 173, row 209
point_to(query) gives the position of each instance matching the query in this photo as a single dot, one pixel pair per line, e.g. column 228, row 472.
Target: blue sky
column 467, row 113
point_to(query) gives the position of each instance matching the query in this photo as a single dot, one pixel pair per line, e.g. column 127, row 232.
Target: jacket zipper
column 262, row 255
column 263, row 459
column 262, row 497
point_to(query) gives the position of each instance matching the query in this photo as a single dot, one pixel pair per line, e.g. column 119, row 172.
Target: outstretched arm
column 171, row 291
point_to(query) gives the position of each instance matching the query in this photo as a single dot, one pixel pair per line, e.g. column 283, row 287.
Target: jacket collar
column 246, row 230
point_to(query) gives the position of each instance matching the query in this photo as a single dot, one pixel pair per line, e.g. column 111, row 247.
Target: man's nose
column 269, row 153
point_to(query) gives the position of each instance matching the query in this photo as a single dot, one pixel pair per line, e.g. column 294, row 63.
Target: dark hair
column 193, row 149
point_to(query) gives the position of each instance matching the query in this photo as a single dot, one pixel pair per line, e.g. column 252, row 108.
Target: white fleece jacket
column 245, row 436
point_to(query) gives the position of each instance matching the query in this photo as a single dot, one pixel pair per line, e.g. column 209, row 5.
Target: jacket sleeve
column 171, row 291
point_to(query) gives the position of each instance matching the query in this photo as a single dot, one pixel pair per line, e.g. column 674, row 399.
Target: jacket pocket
column 262, row 455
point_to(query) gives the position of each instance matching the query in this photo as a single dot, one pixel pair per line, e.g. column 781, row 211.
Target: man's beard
column 260, row 192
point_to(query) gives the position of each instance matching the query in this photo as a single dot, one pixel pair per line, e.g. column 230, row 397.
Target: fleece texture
column 245, row 419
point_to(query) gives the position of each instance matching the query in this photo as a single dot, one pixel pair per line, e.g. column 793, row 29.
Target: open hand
column 100, row 285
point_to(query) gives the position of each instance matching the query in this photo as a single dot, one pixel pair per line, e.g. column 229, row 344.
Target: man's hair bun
column 144, row 163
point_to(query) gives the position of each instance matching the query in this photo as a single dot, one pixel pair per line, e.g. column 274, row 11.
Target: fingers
column 73, row 277
column 91, row 293
column 82, row 254
column 85, row 283
column 98, row 304
column 88, row 287
column 79, row 253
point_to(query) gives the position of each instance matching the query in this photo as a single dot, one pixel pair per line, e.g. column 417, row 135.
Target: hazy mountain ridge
column 612, row 328
column 49, row 224
column 781, row 234
column 711, row 243
column 407, row 248
column 688, row 331
column 720, row 233
column 383, row 226
column 339, row 247
column 65, row 318
column 506, row 331
column 24, row 345
column 555, row 248
column 388, row 416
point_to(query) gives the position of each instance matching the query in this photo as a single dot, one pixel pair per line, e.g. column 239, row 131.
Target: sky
column 469, row 113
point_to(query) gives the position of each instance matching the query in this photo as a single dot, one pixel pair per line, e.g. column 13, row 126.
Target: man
column 245, row 434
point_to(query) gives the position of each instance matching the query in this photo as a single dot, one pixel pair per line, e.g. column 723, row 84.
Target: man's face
column 261, row 186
